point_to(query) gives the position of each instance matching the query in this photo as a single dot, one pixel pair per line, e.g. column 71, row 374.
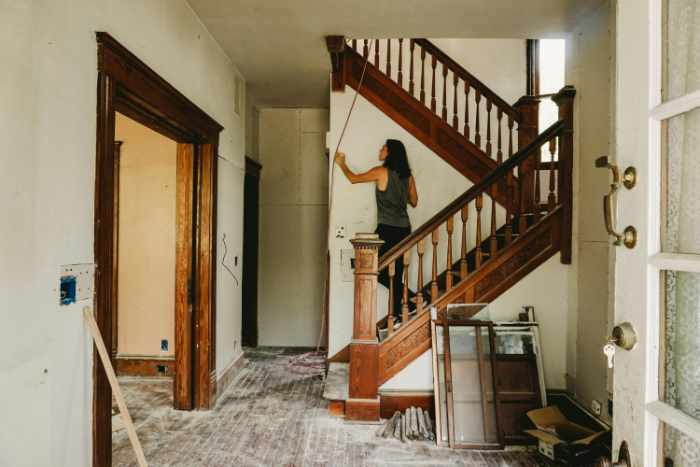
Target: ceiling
column 279, row 45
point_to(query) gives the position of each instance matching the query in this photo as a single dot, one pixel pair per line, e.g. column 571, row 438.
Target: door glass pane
column 681, row 224
column 679, row 448
column 682, row 54
column 472, row 386
column 682, row 359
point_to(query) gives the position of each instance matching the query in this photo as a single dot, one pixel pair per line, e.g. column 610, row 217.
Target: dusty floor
column 272, row 416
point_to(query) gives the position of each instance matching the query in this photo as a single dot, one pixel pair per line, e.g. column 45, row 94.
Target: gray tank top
column 391, row 203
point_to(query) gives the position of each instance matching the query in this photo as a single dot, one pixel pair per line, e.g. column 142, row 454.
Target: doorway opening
column 128, row 88
column 251, row 229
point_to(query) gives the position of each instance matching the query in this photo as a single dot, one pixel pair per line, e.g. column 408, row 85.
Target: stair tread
column 336, row 387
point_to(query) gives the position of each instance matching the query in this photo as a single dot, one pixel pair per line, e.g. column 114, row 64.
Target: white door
column 657, row 283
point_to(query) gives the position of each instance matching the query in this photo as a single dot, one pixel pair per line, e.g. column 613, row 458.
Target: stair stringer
column 413, row 116
column 509, row 266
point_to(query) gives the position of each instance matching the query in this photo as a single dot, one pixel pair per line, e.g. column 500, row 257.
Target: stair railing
column 463, row 102
column 479, row 229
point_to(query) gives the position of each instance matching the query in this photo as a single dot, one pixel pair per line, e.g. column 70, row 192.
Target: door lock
column 624, row 336
column 629, row 179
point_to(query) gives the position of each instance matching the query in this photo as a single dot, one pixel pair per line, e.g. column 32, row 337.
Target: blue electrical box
column 68, row 289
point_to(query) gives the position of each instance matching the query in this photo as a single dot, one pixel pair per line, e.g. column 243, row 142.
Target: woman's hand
column 340, row 158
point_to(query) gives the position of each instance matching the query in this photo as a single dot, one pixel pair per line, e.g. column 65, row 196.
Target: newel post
column 336, row 49
column 528, row 128
column 363, row 397
column 565, row 100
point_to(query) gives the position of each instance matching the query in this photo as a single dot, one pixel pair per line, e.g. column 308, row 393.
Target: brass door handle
column 629, row 236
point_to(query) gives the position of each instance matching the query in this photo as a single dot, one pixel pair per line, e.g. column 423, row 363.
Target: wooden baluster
column 419, row 284
column 466, row 110
column 365, row 49
column 552, row 198
column 499, row 153
column 510, row 136
column 488, row 128
column 354, row 44
column 400, row 76
column 412, row 46
column 522, row 220
column 444, row 92
column 376, row 53
column 477, row 136
column 390, row 312
column 479, row 205
column 434, row 282
column 432, row 91
column 455, row 119
column 463, row 265
column 538, row 166
column 509, row 207
column 404, row 303
column 448, row 269
column 510, row 201
column 422, row 75
column 493, row 244
column 388, row 58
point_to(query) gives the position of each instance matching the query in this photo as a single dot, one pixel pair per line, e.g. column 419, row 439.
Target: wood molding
column 184, row 228
column 145, row 366
column 362, row 410
column 496, row 276
column 336, row 47
column 128, row 85
column 252, row 167
column 229, row 374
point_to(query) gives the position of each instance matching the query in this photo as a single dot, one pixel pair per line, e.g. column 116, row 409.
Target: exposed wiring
column 223, row 260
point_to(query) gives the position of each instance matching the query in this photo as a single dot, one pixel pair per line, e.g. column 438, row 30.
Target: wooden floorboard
column 273, row 414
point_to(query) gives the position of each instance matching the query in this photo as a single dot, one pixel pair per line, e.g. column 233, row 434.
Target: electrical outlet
column 339, row 231
column 596, row 407
column 164, row 345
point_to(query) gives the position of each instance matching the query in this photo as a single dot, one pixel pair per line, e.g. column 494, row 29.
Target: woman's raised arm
column 412, row 192
column 372, row 175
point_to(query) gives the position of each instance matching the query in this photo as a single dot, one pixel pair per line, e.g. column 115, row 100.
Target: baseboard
column 152, row 367
column 391, row 401
column 224, row 380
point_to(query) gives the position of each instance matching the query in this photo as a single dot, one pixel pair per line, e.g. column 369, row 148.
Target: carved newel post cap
column 366, row 240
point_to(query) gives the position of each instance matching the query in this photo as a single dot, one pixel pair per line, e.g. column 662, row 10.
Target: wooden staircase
column 515, row 217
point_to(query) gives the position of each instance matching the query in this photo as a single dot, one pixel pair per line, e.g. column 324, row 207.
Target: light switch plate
column 84, row 274
column 346, row 258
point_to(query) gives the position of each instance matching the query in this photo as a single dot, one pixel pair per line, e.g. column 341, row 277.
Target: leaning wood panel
column 184, row 174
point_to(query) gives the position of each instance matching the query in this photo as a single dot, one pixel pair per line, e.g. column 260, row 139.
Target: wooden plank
column 112, row 377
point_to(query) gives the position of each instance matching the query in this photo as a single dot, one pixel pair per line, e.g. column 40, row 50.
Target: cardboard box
column 559, row 438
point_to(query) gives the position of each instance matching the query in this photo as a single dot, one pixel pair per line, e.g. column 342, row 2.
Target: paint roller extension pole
column 330, row 186
column 112, row 377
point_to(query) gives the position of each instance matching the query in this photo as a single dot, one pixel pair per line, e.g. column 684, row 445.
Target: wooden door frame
column 127, row 85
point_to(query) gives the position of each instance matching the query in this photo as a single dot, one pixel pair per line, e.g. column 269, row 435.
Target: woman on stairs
column 395, row 188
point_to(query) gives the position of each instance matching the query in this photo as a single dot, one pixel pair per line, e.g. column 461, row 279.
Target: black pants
column 392, row 236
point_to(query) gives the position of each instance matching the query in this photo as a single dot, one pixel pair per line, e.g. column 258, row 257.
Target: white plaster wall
column 47, row 175
column 590, row 60
column 293, row 221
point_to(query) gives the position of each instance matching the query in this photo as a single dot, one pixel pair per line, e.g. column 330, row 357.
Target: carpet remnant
column 272, row 415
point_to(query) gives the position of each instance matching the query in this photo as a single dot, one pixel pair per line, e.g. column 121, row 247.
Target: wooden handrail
column 473, row 81
column 451, row 209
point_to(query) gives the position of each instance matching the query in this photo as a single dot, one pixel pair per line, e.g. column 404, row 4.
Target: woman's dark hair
column 397, row 159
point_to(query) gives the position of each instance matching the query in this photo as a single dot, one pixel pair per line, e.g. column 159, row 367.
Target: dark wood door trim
column 128, row 85
column 251, row 220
